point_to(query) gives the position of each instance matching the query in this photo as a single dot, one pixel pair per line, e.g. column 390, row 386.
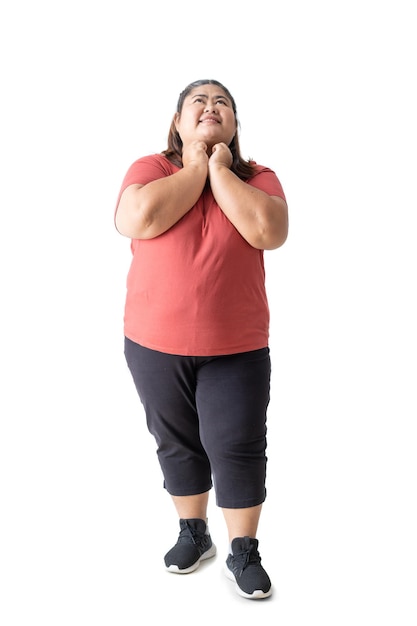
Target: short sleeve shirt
column 198, row 289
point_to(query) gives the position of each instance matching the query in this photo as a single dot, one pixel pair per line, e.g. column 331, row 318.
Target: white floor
column 85, row 525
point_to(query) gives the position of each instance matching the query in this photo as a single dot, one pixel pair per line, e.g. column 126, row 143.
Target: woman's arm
column 261, row 219
column 146, row 211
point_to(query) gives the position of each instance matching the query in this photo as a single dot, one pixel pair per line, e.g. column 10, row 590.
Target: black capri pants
column 208, row 417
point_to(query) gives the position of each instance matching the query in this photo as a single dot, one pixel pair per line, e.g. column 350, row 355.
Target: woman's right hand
column 195, row 153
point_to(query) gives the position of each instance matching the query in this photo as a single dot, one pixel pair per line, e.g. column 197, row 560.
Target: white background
column 326, row 97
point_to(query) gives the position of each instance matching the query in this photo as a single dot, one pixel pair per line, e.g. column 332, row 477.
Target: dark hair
column 244, row 169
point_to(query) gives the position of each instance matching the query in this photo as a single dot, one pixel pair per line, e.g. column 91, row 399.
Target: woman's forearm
column 146, row 211
column 261, row 219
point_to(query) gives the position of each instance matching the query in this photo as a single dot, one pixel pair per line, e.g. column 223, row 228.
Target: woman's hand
column 195, row 153
column 220, row 156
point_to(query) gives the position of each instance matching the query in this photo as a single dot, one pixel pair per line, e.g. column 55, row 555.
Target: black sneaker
column 244, row 567
column 194, row 545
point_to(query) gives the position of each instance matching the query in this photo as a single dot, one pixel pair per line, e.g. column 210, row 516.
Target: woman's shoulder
column 148, row 168
column 258, row 168
column 266, row 179
column 157, row 160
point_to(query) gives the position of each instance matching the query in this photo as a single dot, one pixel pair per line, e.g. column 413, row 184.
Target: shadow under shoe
column 245, row 569
column 193, row 546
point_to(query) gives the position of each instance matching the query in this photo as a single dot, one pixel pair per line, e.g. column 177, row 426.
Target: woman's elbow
column 274, row 235
column 274, row 242
column 132, row 223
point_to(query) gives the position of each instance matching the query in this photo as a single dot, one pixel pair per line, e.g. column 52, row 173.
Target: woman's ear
column 176, row 120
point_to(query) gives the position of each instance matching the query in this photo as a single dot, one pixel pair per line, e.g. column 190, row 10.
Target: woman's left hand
column 221, row 155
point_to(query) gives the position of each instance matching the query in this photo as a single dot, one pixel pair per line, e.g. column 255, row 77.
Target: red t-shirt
column 199, row 288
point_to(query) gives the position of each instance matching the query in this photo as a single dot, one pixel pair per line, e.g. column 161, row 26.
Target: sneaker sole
column 258, row 594
column 174, row 569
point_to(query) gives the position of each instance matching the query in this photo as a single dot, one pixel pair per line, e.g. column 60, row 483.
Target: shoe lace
column 188, row 532
column 247, row 556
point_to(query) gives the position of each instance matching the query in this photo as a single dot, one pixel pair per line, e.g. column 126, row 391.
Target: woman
column 196, row 323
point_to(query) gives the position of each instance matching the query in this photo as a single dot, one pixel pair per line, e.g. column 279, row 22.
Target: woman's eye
column 219, row 101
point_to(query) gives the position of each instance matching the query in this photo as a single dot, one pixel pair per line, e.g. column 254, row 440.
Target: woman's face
column 207, row 115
